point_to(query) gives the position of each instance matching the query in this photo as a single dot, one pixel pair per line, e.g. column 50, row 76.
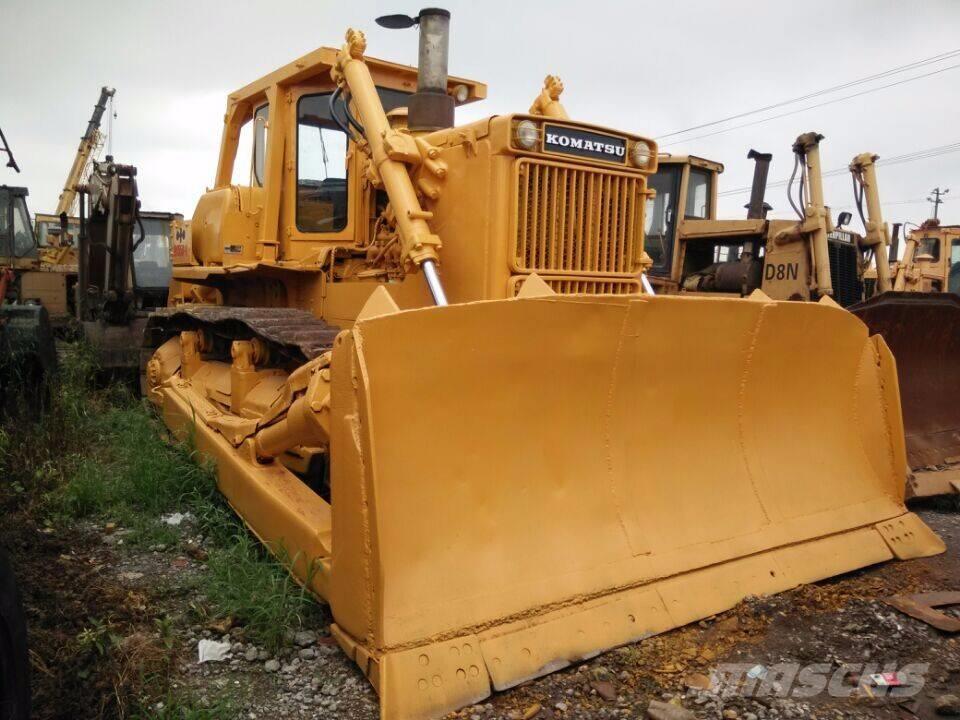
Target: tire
column 14, row 662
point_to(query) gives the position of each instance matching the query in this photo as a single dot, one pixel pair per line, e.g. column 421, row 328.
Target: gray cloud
column 647, row 67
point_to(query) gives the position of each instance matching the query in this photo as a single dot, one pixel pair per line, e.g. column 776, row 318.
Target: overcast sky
column 645, row 67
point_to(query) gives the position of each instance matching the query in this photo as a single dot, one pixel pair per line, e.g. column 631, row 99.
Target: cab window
column 23, row 241
column 661, row 218
column 322, row 187
column 321, row 167
column 151, row 257
column 48, row 233
column 698, row 194
column 929, row 246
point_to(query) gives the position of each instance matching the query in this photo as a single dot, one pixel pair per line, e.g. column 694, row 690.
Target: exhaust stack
column 757, row 209
column 895, row 241
column 430, row 107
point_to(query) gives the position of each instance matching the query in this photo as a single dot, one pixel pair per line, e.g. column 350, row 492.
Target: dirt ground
column 105, row 616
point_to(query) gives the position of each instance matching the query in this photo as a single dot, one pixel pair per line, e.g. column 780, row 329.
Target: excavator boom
column 85, row 151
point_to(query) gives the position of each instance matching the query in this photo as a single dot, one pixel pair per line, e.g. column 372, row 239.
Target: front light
column 527, row 134
column 640, row 154
column 461, row 93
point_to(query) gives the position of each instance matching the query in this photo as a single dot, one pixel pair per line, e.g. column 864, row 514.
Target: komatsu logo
column 584, row 144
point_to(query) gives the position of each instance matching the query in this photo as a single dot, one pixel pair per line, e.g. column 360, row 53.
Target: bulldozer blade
column 923, row 332
column 521, row 484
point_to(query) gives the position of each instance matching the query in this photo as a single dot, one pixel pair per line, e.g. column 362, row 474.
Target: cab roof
column 669, row 159
column 315, row 66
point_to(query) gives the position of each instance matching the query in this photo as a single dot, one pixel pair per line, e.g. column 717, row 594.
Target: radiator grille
column 576, row 220
column 847, row 288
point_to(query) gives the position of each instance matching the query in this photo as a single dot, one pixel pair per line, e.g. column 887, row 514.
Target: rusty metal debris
column 922, row 607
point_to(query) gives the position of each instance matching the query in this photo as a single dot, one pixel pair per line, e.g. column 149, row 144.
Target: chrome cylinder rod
column 647, row 287
column 433, row 282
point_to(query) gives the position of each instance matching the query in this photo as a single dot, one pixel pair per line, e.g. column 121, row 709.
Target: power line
column 825, row 91
column 811, row 107
column 892, row 160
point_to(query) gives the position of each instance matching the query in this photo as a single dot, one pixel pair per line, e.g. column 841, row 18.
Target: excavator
column 27, row 351
column 424, row 361
column 52, row 281
column 123, row 266
column 694, row 252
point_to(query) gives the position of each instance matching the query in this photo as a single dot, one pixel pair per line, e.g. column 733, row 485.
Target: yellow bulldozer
column 423, row 360
column 804, row 259
column 910, row 303
column 919, row 317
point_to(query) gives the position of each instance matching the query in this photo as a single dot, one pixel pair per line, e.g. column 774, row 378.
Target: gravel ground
column 842, row 623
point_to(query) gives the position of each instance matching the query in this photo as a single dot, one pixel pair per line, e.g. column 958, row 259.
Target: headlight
column 640, row 154
column 527, row 134
column 461, row 93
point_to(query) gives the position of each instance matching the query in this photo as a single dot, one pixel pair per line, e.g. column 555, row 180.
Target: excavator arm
column 89, row 143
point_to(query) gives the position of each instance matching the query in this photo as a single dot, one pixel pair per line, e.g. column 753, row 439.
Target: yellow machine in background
column 695, row 252
column 917, row 310
column 422, row 359
column 53, row 278
column 805, row 259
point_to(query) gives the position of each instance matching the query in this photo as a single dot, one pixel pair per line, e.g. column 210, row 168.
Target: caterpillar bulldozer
column 423, row 361
column 909, row 303
column 805, row 259
column 919, row 317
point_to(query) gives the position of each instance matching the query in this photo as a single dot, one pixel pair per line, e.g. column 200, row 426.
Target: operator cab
column 685, row 193
column 49, row 232
column 17, row 241
column 937, row 256
column 151, row 257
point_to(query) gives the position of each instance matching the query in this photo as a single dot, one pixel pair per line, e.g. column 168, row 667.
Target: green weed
column 188, row 708
column 244, row 583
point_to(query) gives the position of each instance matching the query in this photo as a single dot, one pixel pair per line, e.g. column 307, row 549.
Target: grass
column 101, row 455
column 257, row 594
column 188, row 708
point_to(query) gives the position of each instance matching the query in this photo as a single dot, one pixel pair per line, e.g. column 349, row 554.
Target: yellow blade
column 520, row 484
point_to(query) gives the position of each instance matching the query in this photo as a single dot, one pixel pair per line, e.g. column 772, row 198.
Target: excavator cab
column 18, row 244
column 27, row 352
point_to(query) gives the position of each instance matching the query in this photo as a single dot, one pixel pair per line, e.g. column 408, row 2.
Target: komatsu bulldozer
column 424, row 363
